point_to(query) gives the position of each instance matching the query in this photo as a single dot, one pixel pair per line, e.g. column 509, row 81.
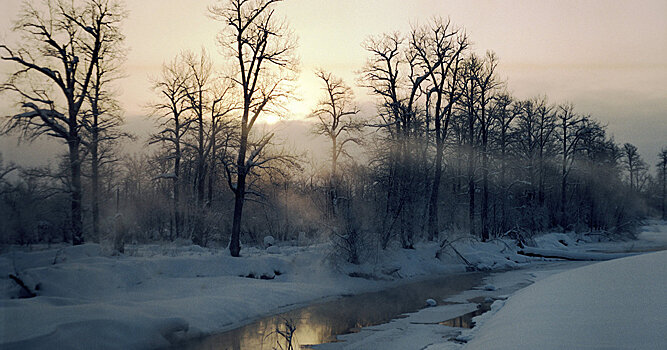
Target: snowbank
column 619, row 304
column 424, row 329
column 157, row 294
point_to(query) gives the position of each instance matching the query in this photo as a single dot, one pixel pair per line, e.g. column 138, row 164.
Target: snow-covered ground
column 154, row 295
column 424, row 328
column 616, row 304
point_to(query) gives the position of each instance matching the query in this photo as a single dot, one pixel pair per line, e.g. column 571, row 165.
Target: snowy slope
column 619, row 304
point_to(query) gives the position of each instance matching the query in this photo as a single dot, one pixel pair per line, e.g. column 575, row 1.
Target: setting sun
column 333, row 174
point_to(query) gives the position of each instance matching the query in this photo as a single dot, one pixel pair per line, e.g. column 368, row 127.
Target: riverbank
column 618, row 304
column 613, row 304
column 161, row 294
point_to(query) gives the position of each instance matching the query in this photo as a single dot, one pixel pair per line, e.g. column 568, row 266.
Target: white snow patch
column 619, row 304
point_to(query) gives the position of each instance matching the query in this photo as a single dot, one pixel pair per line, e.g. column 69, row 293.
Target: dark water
column 320, row 323
column 465, row 320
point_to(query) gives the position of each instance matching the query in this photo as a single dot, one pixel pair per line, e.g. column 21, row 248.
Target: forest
column 448, row 151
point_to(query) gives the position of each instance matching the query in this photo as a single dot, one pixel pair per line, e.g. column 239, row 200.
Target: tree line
column 448, row 151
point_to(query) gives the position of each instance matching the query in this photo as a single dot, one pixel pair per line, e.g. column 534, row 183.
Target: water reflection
column 465, row 320
column 320, row 323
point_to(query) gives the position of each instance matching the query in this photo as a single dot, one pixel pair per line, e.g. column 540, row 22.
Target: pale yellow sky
column 607, row 57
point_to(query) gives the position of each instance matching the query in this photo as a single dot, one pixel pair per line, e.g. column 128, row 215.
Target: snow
column 163, row 293
column 269, row 241
column 571, row 255
column 422, row 329
column 415, row 331
column 565, row 308
column 619, row 304
column 154, row 295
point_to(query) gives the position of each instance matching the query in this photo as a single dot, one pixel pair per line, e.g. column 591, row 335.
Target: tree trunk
column 664, row 174
column 75, row 190
column 95, row 163
column 540, row 180
column 201, row 171
column 503, row 184
column 239, row 192
column 333, row 183
column 433, row 203
column 211, row 172
column 471, row 175
column 235, row 244
column 176, row 183
column 563, row 184
column 485, row 176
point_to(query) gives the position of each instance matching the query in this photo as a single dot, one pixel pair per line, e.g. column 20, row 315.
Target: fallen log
column 569, row 255
column 27, row 292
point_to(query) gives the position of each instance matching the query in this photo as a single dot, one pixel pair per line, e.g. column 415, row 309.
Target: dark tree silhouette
column 571, row 127
column 263, row 50
column 338, row 120
column 103, row 118
column 662, row 175
column 63, row 43
column 440, row 47
column 634, row 164
column 171, row 86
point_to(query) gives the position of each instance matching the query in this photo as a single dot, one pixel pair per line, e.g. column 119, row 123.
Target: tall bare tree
column 62, row 42
column 393, row 75
column 487, row 83
column 634, row 164
column 102, row 118
column 440, row 47
column 662, row 175
column 469, row 106
column 337, row 119
column 171, row 112
column 504, row 112
column 545, row 137
column 210, row 101
column 571, row 128
column 262, row 46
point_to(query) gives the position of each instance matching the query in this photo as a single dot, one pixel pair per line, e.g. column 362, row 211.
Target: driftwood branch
column 29, row 293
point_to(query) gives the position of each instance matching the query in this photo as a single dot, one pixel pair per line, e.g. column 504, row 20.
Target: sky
column 609, row 58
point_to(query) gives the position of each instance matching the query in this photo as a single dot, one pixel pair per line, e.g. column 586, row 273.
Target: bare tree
column 171, row 86
column 5, row 169
column 393, row 75
column 55, row 63
column 223, row 129
column 487, row 83
column 504, row 112
column 469, row 104
column 662, row 174
column 103, row 117
column 440, row 48
column 337, row 119
column 571, row 128
column 263, row 49
column 545, row 137
column 634, row 164
column 210, row 102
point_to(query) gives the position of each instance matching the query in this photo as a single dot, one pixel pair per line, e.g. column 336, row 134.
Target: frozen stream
column 379, row 318
column 322, row 322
